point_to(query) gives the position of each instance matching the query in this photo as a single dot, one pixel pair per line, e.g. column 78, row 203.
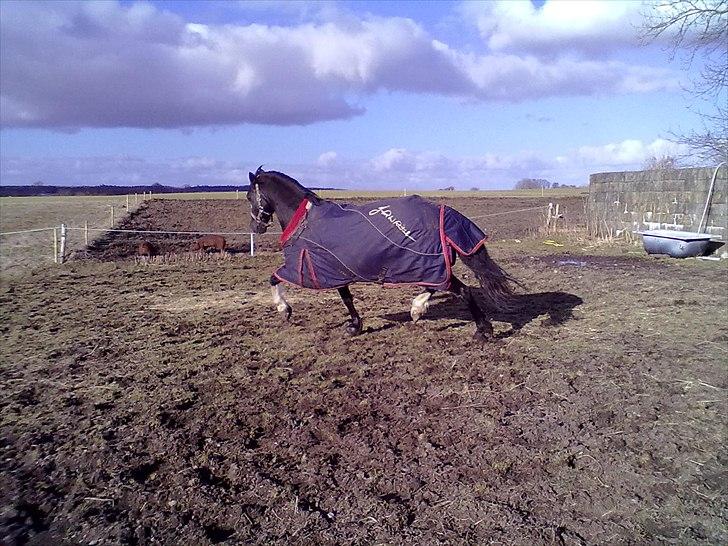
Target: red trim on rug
column 299, row 215
column 461, row 252
column 312, row 271
column 445, row 248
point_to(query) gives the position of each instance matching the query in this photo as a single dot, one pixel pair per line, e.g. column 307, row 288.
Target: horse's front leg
column 354, row 324
column 279, row 299
column 420, row 304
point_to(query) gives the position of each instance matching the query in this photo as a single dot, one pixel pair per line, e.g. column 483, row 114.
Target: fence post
column 112, row 216
column 136, row 198
column 63, row 243
column 252, row 244
column 55, row 245
column 85, row 232
column 127, row 202
column 548, row 218
column 237, row 194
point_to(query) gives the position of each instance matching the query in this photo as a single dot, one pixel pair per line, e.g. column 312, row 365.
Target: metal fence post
column 252, row 244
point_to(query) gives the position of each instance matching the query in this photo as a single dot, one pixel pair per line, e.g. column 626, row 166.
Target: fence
column 58, row 235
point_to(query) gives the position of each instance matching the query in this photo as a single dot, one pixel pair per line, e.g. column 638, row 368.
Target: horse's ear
column 252, row 177
column 260, row 170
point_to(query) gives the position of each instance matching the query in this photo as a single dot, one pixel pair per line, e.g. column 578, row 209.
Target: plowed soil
column 166, row 403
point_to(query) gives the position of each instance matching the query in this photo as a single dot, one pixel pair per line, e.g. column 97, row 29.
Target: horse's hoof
column 354, row 327
column 416, row 315
column 286, row 313
column 482, row 337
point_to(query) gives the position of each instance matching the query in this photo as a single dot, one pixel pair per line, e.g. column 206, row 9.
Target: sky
column 353, row 94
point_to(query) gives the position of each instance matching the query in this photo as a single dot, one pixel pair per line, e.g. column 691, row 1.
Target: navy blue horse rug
column 406, row 240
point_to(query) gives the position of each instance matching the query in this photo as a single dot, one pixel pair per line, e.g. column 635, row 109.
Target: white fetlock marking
column 420, row 305
column 278, row 298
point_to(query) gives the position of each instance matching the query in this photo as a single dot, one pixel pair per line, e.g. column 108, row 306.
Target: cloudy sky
column 348, row 94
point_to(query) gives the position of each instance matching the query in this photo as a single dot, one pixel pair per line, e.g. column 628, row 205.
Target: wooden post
column 63, row 243
column 127, row 202
column 55, row 245
column 112, row 216
column 252, row 245
column 548, row 218
column 85, row 232
column 237, row 194
column 136, row 198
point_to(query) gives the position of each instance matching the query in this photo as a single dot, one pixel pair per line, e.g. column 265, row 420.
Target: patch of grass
column 23, row 213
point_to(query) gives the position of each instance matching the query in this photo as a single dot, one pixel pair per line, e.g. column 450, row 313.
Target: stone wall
column 624, row 202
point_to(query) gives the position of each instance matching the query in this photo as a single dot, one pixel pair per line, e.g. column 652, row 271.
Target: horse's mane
column 310, row 195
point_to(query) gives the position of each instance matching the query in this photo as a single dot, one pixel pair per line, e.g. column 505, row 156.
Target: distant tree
column 662, row 163
column 555, row 185
column 449, row 188
column 474, row 189
column 38, row 183
column 532, row 184
column 698, row 28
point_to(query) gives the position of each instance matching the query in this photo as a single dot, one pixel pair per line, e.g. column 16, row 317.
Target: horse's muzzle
column 258, row 227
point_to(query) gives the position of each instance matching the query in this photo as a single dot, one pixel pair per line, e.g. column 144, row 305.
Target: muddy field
column 166, row 403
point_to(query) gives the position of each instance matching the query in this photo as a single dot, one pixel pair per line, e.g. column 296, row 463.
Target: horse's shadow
column 525, row 308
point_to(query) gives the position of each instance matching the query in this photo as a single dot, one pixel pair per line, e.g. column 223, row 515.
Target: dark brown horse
column 403, row 241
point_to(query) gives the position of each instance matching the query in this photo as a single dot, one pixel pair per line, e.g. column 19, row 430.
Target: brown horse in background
column 209, row 242
column 146, row 249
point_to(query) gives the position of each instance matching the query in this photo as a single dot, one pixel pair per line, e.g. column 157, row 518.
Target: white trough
column 678, row 244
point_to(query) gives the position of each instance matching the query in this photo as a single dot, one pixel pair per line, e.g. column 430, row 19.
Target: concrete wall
column 624, row 202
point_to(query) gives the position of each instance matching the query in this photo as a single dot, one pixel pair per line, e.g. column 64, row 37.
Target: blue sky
column 347, row 94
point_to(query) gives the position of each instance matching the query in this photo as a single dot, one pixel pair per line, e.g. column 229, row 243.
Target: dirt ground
column 166, row 403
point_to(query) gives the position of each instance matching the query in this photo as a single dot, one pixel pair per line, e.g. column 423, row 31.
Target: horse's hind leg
column 279, row 299
column 420, row 304
column 484, row 329
column 354, row 324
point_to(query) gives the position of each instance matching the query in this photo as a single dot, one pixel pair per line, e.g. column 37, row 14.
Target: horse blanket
column 398, row 241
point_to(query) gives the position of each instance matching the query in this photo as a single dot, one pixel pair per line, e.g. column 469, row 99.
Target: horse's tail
column 497, row 285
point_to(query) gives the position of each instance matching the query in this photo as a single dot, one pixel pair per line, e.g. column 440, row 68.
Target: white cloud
column 628, row 152
column 326, row 159
column 590, row 26
column 122, row 170
column 395, row 168
column 104, row 64
column 394, row 159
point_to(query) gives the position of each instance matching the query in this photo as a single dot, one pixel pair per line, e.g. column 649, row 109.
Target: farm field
column 167, row 403
column 23, row 250
column 20, row 251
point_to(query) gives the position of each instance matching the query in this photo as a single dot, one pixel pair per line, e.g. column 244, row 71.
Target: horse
column 400, row 241
column 214, row 242
column 146, row 249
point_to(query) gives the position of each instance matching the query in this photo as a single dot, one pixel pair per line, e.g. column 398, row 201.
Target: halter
column 263, row 217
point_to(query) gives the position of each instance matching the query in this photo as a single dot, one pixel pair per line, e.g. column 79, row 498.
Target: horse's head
column 261, row 207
